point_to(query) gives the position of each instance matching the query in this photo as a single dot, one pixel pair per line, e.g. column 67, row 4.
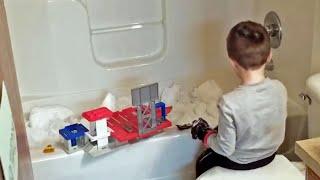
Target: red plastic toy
column 124, row 123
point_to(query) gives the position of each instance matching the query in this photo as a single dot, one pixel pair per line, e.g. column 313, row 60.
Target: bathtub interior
column 59, row 67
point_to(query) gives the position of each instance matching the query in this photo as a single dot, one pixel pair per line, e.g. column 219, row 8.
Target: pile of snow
column 44, row 122
column 188, row 106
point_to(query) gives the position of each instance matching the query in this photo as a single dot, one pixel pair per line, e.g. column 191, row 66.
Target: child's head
column 248, row 46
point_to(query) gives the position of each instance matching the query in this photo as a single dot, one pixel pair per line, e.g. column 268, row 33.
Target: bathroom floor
column 301, row 166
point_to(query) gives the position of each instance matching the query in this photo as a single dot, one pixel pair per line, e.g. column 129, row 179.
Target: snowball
column 208, row 92
column 202, row 102
column 212, row 109
column 40, row 117
column 36, row 136
column 170, row 95
column 212, row 120
column 54, row 128
column 185, row 97
column 175, row 117
column 44, row 124
column 188, row 117
column 200, row 108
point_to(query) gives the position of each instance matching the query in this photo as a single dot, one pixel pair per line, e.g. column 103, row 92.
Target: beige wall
column 292, row 59
column 222, row 15
column 315, row 61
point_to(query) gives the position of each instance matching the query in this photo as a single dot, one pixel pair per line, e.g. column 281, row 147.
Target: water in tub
column 45, row 121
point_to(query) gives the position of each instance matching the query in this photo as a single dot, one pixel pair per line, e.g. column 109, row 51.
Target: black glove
column 199, row 129
column 215, row 129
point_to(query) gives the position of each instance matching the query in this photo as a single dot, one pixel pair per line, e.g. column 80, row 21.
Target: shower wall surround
column 185, row 40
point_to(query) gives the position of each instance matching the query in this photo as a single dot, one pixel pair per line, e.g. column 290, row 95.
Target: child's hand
column 199, row 129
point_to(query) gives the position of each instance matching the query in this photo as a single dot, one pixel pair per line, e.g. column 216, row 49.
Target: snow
column 188, row 106
column 44, row 124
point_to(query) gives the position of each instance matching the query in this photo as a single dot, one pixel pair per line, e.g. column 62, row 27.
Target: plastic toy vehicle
column 110, row 129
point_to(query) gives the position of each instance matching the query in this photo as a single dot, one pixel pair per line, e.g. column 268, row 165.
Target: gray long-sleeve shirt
column 251, row 122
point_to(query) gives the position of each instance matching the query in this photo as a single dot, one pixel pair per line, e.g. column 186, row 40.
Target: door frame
column 8, row 75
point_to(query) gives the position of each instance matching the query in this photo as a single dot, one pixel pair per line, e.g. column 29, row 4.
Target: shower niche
column 126, row 33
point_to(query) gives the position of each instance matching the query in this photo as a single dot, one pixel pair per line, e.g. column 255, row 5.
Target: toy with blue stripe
column 74, row 137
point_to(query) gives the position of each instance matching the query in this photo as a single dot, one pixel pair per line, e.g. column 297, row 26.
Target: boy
column 251, row 117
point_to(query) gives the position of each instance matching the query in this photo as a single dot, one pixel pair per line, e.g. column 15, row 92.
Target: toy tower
column 98, row 131
column 144, row 98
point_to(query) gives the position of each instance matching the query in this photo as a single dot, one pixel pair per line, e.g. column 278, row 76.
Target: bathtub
column 170, row 155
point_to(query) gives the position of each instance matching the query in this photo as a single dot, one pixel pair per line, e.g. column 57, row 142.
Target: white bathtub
column 167, row 156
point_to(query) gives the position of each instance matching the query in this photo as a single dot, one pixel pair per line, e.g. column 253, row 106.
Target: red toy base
column 125, row 125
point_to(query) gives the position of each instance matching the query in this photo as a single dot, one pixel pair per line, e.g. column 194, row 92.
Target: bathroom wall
column 53, row 56
column 222, row 16
column 300, row 46
column 315, row 61
column 293, row 58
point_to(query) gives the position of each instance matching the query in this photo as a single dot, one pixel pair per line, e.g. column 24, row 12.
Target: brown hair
column 248, row 44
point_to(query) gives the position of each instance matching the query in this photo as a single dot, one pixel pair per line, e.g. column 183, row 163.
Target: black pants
column 209, row 159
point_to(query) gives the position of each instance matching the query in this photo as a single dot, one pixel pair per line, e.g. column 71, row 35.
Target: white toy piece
column 102, row 133
column 109, row 102
column 98, row 131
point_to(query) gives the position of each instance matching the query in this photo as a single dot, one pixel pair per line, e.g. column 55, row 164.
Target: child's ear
column 232, row 62
column 269, row 57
